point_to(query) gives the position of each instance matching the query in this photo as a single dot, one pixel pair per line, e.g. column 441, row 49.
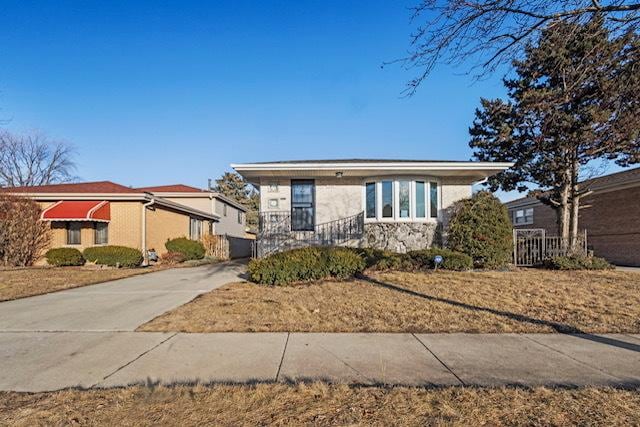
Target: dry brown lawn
column 321, row 404
column 25, row 282
column 488, row 302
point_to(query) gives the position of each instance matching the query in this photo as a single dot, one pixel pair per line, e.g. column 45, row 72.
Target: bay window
column 370, row 199
column 404, row 199
column 433, row 198
column 387, row 199
column 400, row 199
column 421, row 207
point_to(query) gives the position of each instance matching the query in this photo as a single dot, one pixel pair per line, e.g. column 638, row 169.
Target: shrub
column 306, row 264
column 343, row 263
column 377, row 259
column 424, row 259
column 23, row 237
column 62, row 257
column 577, row 262
column 172, row 258
column 480, row 227
column 191, row 249
column 115, row 256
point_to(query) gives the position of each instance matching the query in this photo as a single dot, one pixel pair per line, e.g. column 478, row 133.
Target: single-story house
column 398, row 205
column 100, row 213
column 610, row 215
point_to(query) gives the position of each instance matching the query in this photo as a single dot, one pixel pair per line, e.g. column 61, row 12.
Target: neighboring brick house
column 232, row 215
column 100, row 213
column 611, row 216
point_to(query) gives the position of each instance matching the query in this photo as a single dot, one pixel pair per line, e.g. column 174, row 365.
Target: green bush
column 378, row 259
column 577, row 262
column 115, row 256
column 191, row 249
column 64, row 257
column 480, row 227
column 306, row 264
column 424, row 259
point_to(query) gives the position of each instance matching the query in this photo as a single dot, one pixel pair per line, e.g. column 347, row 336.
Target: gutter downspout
column 145, row 255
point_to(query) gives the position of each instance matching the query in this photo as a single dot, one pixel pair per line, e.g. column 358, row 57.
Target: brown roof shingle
column 103, row 187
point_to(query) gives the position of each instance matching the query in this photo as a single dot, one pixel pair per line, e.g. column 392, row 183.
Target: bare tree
column 23, row 237
column 482, row 34
column 33, row 159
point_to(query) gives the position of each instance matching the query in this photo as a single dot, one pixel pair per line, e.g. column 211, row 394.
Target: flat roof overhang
column 475, row 171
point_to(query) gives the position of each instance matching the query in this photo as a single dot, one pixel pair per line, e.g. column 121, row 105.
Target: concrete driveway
column 120, row 305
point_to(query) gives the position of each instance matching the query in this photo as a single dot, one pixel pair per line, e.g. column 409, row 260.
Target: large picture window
column 401, row 199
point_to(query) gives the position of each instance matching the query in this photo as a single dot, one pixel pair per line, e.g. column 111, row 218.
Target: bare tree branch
column 480, row 35
column 28, row 160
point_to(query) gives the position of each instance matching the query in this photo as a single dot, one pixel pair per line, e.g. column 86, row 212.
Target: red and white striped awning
column 78, row 210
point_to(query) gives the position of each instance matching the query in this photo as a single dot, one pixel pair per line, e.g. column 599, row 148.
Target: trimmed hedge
column 306, row 264
column 62, row 257
column 422, row 259
column 480, row 227
column 191, row 249
column 577, row 262
column 115, row 256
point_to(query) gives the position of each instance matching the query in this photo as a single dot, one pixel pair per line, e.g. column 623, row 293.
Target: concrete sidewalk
column 41, row 361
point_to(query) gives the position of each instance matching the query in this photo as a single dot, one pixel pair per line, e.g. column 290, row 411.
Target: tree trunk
column 575, row 205
column 565, row 223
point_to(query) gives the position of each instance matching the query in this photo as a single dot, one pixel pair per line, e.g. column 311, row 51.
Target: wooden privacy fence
column 216, row 246
column 533, row 246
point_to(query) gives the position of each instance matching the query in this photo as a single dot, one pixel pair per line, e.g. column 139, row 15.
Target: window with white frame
column 239, row 217
column 523, row 216
column 195, row 229
column 401, row 199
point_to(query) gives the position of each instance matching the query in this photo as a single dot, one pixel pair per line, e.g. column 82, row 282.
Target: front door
column 303, row 205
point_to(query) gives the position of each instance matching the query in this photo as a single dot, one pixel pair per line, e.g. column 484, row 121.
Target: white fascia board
column 251, row 167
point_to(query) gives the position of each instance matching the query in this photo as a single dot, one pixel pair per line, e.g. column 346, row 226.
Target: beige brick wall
column 163, row 224
column 282, row 194
column 452, row 189
column 338, row 198
column 124, row 227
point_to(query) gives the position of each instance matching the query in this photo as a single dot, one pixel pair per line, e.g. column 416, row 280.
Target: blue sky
column 174, row 91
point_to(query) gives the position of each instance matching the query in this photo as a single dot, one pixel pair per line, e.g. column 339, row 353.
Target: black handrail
column 275, row 232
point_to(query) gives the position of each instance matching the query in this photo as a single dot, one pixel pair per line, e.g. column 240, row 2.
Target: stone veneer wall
column 401, row 236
